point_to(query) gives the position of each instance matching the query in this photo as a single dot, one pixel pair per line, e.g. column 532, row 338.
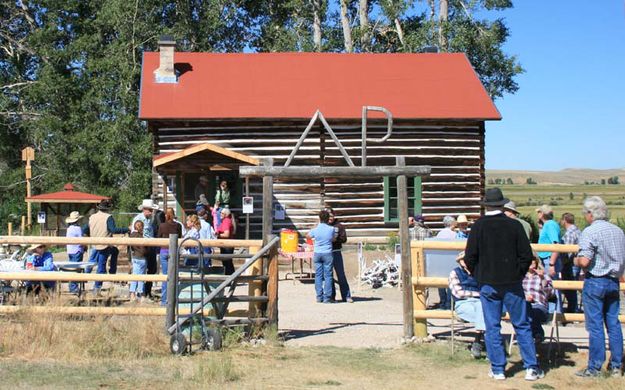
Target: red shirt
column 226, row 226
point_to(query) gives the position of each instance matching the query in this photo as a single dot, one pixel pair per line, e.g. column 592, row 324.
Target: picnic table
column 304, row 255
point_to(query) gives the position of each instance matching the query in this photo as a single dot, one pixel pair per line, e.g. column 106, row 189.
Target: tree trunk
column 400, row 33
column 347, row 30
column 317, row 24
column 442, row 21
column 432, row 9
column 363, row 13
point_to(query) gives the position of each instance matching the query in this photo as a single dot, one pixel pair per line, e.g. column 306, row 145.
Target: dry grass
column 123, row 352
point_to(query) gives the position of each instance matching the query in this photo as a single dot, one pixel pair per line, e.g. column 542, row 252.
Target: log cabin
column 210, row 113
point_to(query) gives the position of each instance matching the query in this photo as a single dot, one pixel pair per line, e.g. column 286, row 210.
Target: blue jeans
column 557, row 306
column 164, row 268
column 337, row 262
column 101, row 257
column 444, row 295
column 493, row 299
column 569, row 273
column 601, row 306
column 323, row 276
column 75, row 258
column 139, row 266
column 470, row 310
column 538, row 315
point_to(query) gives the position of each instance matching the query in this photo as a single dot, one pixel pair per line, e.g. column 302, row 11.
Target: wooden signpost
column 28, row 155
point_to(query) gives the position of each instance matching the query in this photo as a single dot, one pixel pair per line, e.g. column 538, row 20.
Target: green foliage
column 530, row 181
column 393, row 239
column 70, row 72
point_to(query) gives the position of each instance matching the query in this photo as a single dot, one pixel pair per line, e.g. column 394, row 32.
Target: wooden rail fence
column 251, row 245
column 420, row 282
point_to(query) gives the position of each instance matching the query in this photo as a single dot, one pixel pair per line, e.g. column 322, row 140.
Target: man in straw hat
column 102, row 224
column 39, row 259
column 498, row 254
column 74, row 252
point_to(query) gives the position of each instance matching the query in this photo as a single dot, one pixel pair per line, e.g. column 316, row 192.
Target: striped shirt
column 603, row 244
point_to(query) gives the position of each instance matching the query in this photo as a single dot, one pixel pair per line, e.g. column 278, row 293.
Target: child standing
column 538, row 289
column 139, row 264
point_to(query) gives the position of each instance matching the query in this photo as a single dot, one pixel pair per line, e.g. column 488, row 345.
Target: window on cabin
column 390, row 197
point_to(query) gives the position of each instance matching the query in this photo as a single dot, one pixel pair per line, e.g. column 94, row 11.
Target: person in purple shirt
column 74, row 252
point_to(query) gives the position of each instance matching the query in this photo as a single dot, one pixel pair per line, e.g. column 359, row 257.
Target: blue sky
column 570, row 109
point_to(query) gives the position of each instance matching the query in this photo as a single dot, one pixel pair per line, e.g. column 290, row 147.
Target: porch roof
column 205, row 156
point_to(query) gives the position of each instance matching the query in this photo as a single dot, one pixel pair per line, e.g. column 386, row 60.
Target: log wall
column 454, row 150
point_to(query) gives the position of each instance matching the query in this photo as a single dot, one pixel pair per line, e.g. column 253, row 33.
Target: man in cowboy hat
column 498, row 254
column 147, row 208
column 511, row 212
column 102, row 224
column 74, row 252
column 39, row 260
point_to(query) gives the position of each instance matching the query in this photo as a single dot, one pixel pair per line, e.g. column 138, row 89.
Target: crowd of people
column 208, row 222
column 498, row 272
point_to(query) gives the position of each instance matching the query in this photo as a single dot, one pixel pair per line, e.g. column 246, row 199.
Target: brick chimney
column 165, row 72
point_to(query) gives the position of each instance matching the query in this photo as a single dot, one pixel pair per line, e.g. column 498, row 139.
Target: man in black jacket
column 498, row 254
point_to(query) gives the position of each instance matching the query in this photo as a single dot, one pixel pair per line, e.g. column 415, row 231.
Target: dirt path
column 373, row 320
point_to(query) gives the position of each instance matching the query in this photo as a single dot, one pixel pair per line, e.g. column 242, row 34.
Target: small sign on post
column 41, row 217
column 248, row 205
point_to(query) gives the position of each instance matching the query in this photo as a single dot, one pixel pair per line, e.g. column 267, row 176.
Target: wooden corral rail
column 420, row 282
column 162, row 242
column 173, row 244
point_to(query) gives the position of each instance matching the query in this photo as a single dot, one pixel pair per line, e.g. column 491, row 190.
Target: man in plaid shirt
column 418, row 230
column 569, row 271
column 602, row 256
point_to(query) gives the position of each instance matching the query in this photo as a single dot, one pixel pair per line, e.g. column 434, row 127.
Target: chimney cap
column 166, row 40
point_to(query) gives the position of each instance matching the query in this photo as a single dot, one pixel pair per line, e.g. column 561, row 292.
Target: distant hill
column 569, row 176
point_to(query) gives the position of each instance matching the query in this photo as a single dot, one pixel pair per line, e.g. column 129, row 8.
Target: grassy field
column 565, row 198
column 81, row 353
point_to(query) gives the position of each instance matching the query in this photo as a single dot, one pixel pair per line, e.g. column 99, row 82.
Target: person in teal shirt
column 550, row 234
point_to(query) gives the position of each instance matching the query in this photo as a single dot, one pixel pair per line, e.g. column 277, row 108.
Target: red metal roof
column 295, row 85
column 68, row 195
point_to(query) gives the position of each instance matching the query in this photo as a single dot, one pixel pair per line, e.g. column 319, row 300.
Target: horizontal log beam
column 446, row 315
column 103, row 310
column 76, row 277
column 557, row 284
column 156, row 242
column 460, row 245
column 347, row 172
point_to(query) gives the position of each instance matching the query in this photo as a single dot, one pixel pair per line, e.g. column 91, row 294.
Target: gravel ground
column 373, row 320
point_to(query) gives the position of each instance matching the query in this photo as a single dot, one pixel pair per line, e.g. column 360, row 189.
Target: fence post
column 10, row 228
column 172, row 281
column 272, row 287
column 404, row 240
column 418, row 293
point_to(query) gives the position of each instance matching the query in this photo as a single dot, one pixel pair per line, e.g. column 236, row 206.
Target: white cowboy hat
column 73, row 217
column 148, row 204
column 462, row 219
column 34, row 246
